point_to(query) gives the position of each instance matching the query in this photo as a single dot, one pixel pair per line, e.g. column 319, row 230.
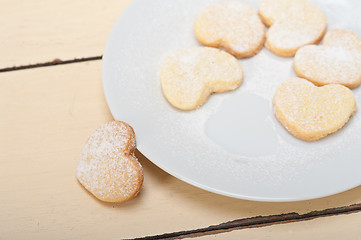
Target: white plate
column 232, row 145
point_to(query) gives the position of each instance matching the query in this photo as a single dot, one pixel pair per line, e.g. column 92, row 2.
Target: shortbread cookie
column 309, row 112
column 337, row 60
column 292, row 24
column 233, row 26
column 107, row 166
column 189, row 76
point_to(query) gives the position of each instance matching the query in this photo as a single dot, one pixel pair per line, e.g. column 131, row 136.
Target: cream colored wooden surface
column 345, row 227
column 40, row 31
column 47, row 115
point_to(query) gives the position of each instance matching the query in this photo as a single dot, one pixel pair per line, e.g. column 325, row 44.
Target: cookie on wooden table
column 107, row 166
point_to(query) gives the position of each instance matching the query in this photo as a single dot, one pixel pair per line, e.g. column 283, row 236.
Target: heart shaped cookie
column 107, row 166
column 309, row 112
column 190, row 76
column 233, row 26
column 292, row 24
column 337, row 60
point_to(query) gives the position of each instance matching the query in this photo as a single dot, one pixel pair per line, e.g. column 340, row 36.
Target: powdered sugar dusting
column 342, row 38
column 272, row 10
column 337, row 60
column 190, row 75
column 310, row 112
column 232, row 25
column 300, row 25
column 107, row 166
column 325, row 65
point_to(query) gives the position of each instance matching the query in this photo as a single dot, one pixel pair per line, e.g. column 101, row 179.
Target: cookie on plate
column 309, row 112
column 292, row 24
column 336, row 60
column 189, row 76
column 233, row 26
column 107, row 167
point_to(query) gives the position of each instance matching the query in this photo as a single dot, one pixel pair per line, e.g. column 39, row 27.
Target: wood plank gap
column 255, row 222
column 56, row 61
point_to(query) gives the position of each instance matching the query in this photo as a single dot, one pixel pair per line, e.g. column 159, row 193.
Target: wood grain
column 257, row 222
column 346, row 227
column 48, row 114
column 56, row 61
column 40, row 31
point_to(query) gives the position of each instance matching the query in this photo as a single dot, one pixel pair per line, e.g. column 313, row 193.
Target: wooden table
column 51, row 99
